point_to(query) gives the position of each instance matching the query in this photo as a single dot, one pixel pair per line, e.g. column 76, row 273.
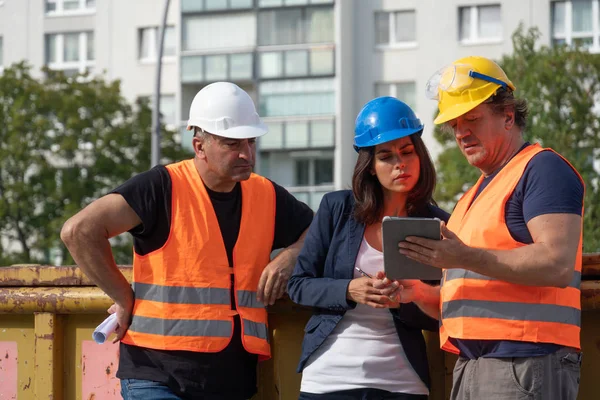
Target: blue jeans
column 138, row 389
column 361, row 394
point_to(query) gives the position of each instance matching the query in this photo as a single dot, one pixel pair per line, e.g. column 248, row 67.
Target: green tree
column 562, row 87
column 65, row 141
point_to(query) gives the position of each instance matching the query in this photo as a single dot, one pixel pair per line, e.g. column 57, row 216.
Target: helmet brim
column 238, row 132
column 456, row 111
column 245, row 132
column 389, row 136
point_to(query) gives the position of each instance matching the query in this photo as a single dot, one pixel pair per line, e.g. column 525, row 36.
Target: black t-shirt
column 231, row 373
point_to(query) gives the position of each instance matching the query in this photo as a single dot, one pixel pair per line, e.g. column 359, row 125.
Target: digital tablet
column 398, row 266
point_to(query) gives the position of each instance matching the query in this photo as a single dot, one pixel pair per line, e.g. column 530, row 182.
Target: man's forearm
column 93, row 254
column 289, row 255
column 429, row 300
column 532, row 265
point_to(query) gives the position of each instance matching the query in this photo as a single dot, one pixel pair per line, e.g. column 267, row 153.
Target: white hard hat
column 224, row 109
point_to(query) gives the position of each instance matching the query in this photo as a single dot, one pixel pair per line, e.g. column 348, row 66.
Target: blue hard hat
column 384, row 119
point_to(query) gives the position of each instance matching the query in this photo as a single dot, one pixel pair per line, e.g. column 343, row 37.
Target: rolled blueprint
column 104, row 330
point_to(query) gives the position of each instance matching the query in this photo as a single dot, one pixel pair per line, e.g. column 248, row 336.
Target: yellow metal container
column 48, row 314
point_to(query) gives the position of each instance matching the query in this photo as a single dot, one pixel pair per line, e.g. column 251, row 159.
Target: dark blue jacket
column 324, row 269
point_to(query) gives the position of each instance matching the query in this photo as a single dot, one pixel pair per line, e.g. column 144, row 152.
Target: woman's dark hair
column 368, row 192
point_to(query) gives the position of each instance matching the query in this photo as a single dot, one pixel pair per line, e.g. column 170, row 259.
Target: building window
column 299, row 134
column 297, row 63
column 240, row 67
column 313, row 172
column 59, row 7
column 397, row 28
column 149, row 40
column 295, row 26
column 213, row 33
column 214, row 67
column 405, row 91
column 313, row 196
column 301, row 168
column 189, row 6
column 576, row 23
column 479, row 24
column 308, row 175
column 323, row 172
column 283, row 3
column 72, row 52
column 167, row 109
column 297, row 97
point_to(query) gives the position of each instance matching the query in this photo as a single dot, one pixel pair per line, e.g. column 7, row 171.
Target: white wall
column 21, row 25
column 348, row 74
column 117, row 24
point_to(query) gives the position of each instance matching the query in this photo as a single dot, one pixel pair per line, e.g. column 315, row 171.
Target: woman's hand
column 406, row 290
column 372, row 292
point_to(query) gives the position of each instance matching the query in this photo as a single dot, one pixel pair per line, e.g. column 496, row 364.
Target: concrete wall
column 117, row 24
column 347, row 71
column 21, row 25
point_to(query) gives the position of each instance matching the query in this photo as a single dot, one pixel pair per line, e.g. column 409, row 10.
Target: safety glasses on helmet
column 455, row 79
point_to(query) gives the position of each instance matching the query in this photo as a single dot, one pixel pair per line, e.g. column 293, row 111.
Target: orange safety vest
column 182, row 290
column 475, row 306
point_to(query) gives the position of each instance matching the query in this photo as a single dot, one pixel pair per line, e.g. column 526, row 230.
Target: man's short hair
column 201, row 133
column 505, row 98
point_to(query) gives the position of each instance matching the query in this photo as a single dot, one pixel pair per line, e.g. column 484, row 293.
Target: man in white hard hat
column 195, row 324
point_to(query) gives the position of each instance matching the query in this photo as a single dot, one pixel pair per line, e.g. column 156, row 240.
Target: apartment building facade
column 310, row 65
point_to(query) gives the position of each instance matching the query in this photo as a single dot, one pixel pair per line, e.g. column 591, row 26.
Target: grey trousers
column 551, row 377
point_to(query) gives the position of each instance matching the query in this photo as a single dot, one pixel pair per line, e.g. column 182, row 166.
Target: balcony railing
column 299, row 61
column 302, row 62
column 311, row 195
column 193, row 6
column 298, row 133
column 217, row 67
column 290, row 3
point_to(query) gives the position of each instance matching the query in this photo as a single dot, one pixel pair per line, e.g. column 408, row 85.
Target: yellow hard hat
column 464, row 84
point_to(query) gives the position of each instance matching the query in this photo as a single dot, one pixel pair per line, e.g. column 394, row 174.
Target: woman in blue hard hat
column 359, row 343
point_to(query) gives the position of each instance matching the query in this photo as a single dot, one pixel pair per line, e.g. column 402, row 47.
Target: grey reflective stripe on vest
column 452, row 274
column 247, row 298
column 181, row 327
column 181, row 295
column 511, row 311
column 256, row 329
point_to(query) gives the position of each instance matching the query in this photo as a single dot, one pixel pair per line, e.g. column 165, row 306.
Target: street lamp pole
column 155, row 145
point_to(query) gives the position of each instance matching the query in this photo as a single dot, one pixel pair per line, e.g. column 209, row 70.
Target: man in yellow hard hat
column 509, row 300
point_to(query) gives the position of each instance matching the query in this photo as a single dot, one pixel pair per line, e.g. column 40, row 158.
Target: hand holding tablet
column 398, row 266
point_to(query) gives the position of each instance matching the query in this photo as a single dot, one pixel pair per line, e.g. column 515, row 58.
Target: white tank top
column 363, row 351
